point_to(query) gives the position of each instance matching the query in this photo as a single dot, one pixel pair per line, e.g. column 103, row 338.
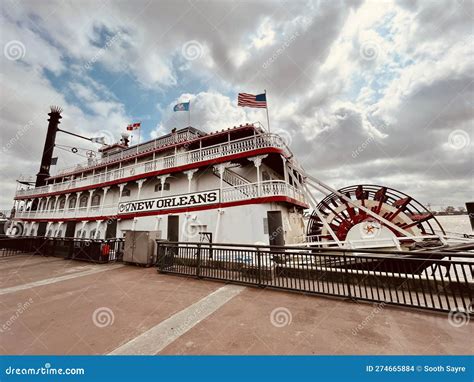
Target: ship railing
column 134, row 150
column 163, row 163
column 229, row 194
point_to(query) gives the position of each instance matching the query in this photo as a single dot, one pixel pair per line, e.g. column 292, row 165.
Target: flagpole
column 189, row 113
column 139, row 134
column 268, row 118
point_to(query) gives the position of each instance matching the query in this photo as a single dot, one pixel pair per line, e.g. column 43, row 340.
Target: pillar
column 66, row 204
column 257, row 161
column 162, row 180
column 190, row 174
column 78, row 201
column 140, row 185
column 106, row 189
column 89, row 201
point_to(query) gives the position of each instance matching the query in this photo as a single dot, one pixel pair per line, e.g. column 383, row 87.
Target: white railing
column 180, row 159
column 229, row 194
column 232, row 177
column 132, row 151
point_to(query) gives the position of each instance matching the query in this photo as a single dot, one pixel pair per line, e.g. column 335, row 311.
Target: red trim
column 151, row 151
column 267, row 150
column 269, row 199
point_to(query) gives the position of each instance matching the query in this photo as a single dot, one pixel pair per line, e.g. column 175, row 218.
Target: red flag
column 133, row 126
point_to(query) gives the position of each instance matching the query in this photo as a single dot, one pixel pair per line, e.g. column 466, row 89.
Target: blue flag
column 181, row 107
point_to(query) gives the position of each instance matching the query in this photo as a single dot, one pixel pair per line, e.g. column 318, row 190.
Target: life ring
column 74, row 150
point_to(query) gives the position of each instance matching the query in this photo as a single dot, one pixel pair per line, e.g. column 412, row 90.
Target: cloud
column 363, row 91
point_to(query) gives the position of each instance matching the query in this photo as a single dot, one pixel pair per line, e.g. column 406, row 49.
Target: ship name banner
column 170, row 202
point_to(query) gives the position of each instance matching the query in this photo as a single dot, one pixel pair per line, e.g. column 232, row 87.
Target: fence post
column 259, row 268
column 198, row 257
column 159, row 258
column 346, row 279
column 54, row 246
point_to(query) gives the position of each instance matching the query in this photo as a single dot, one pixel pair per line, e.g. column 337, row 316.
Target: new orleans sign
column 170, row 202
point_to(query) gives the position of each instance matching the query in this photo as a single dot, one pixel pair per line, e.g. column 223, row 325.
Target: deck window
column 165, row 188
column 95, row 200
column 72, row 203
column 83, row 201
column 51, row 205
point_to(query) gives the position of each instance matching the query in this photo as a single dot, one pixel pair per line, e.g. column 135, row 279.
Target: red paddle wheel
column 349, row 222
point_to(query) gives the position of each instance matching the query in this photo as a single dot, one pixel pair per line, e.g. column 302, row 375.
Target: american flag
column 133, row 126
column 253, row 100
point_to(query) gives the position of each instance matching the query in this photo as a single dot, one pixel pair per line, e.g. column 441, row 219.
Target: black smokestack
column 54, row 117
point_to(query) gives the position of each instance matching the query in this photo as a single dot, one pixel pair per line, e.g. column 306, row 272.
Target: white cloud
column 400, row 72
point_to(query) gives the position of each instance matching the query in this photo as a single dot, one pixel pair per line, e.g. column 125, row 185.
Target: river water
column 455, row 223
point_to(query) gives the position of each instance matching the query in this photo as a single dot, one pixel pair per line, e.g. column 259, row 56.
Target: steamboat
column 239, row 185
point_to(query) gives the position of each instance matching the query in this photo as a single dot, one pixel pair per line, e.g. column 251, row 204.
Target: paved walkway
column 68, row 307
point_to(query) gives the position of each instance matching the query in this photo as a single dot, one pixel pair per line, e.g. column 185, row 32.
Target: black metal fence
column 424, row 280
column 97, row 251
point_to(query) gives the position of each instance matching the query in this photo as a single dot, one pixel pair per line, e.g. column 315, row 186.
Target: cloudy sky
column 371, row 91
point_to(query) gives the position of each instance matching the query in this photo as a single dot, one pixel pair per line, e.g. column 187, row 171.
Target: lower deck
column 56, row 306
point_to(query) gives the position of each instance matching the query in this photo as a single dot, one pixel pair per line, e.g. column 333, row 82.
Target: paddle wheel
column 347, row 214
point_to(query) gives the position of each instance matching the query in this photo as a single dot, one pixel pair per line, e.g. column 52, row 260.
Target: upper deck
column 153, row 158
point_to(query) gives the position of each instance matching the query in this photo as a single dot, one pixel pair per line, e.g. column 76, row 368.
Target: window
column 72, row 202
column 126, row 192
column 51, row 204
column 62, row 203
column 50, row 233
column 83, row 201
column 59, row 234
column 94, row 234
column 166, row 187
column 95, row 200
